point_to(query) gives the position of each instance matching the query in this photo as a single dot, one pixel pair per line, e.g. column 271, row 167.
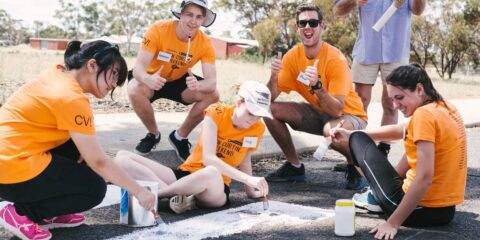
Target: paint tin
column 131, row 212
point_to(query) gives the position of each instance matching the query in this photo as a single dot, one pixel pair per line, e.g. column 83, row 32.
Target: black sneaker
column 147, row 144
column 182, row 148
column 384, row 148
column 287, row 172
column 354, row 180
column 340, row 167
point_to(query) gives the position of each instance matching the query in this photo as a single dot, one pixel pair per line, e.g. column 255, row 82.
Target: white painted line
column 234, row 220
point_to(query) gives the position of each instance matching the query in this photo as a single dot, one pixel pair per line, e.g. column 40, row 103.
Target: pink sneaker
column 21, row 226
column 64, row 221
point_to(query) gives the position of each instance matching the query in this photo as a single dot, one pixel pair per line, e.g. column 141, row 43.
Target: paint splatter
column 235, row 220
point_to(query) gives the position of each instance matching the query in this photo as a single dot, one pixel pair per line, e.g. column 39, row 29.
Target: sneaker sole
column 367, row 206
column 176, row 151
column 61, row 225
column 141, row 153
column 374, row 208
column 290, row 179
column 15, row 231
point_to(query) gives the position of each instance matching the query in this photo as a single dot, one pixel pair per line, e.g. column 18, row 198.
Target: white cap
column 257, row 98
column 210, row 15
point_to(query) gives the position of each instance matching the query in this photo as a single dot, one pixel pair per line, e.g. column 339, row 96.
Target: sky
column 43, row 10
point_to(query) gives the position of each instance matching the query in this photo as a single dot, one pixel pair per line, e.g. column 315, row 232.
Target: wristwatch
column 317, row 85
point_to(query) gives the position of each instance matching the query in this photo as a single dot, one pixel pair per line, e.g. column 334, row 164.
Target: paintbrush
column 159, row 222
column 265, row 202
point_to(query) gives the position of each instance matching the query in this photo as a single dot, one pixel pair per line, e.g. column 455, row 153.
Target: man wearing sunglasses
column 163, row 69
column 381, row 51
column 320, row 73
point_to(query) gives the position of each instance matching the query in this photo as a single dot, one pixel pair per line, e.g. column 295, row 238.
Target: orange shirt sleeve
column 150, row 39
column 75, row 115
column 209, row 54
column 215, row 111
column 339, row 77
column 423, row 126
column 288, row 75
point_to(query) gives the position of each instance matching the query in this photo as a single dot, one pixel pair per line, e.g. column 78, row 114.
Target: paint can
column 344, row 218
column 131, row 212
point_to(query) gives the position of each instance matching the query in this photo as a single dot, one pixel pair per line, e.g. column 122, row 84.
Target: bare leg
column 141, row 168
column 364, row 91
column 283, row 112
column 206, row 184
column 390, row 114
column 195, row 116
column 139, row 95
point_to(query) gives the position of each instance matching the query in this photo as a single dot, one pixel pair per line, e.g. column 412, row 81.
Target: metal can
column 131, row 212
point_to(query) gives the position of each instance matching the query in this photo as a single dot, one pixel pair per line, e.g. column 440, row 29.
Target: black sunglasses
column 313, row 23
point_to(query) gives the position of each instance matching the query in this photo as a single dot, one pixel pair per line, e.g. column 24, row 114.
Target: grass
column 21, row 63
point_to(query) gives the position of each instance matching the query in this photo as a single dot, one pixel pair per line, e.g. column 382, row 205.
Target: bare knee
column 122, row 156
column 208, row 174
column 138, row 91
column 212, row 97
column 387, row 106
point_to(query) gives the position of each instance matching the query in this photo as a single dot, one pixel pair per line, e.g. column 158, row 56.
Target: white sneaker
column 181, row 203
column 366, row 201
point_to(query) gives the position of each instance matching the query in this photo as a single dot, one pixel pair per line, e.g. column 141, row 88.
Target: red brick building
column 229, row 47
column 49, row 43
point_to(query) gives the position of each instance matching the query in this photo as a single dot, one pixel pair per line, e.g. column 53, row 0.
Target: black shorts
column 180, row 174
column 171, row 90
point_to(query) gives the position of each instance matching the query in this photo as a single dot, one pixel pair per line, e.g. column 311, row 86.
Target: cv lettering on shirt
column 82, row 120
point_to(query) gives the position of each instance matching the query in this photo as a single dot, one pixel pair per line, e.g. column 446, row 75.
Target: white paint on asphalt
column 234, row 220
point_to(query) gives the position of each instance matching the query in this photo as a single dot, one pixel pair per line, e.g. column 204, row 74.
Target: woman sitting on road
column 47, row 133
column 229, row 136
column 430, row 179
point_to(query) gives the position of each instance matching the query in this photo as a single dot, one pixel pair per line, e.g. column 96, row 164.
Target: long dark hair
column 105, row 54
column 407, row 77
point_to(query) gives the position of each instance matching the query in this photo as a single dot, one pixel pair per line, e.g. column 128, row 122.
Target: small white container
column 322, row 149
column 131, row 212
column 344, row 218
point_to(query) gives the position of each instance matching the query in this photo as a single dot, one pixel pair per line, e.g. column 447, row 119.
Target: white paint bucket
column 131, row 212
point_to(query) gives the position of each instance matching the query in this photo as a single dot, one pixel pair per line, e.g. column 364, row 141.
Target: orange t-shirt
column 444, row 128
column 333, row 71
column 38, row 118
column 229, row 140
column 168, row 51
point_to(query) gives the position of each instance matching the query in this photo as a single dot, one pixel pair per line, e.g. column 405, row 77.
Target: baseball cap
column 257, row 98
column 210, row 15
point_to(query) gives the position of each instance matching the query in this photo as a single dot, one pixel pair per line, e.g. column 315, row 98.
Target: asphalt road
column 322, row 188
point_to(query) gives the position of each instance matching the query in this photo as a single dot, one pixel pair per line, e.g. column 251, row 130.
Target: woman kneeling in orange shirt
column 430, row 179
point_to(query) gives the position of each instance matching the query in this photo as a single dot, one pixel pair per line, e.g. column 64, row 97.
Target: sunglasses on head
column 311, row 22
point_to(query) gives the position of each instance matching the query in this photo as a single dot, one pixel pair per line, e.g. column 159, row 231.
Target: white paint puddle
column 234, row 220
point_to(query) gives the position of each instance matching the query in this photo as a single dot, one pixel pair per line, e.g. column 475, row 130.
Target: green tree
column 455, row 37
column 133, row 17
column 12, row 30
column 94, row 20
column 70, row 14
column 52, row 31
column 265, row 33
column 422, row 43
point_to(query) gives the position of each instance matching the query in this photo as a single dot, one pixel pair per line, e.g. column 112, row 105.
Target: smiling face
column 309, row 35
column 191, row 19
column 242, row 118
column 405, row 100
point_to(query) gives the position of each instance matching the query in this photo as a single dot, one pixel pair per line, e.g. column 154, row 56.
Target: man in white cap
column 164, row 70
